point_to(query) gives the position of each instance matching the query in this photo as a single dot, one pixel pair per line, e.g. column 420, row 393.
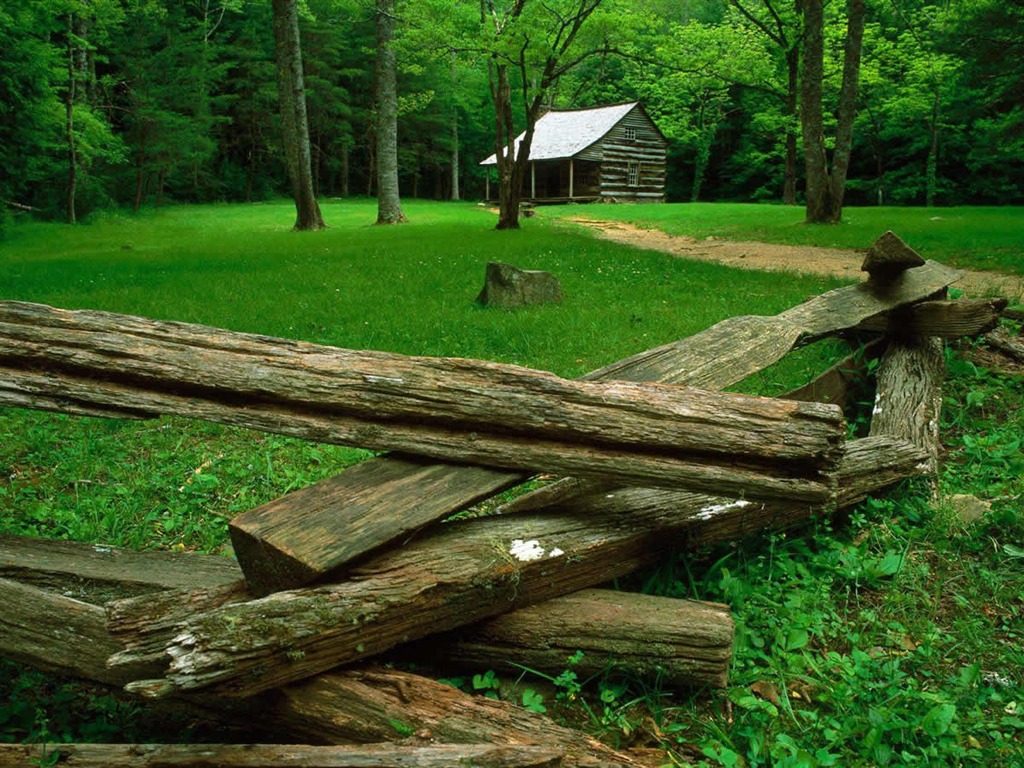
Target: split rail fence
column 653, row 458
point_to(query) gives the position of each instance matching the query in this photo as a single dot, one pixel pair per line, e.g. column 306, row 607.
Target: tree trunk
column 510, row 177
column 140, row 176
column 931, row 170
column 847, row 111
column 825, row 188
column 792, row 115
column 815, row 159
column 345, row 171
column 455, row 138
column 294, row 121
column 69, row 108
column 389, row 204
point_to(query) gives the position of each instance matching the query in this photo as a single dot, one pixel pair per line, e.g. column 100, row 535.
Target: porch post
column 570, row 178
column 487, row 184
column 533, row 180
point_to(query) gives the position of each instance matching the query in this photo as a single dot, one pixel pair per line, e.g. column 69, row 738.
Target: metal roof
column 559, row 134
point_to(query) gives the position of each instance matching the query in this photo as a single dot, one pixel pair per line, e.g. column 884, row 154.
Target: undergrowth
column 891, row 635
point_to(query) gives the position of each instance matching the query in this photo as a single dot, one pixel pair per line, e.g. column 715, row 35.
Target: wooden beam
column 43, row 628
column 59, row 634
column 740, row 346
column 310, row 534
column 716, row 358
column 98, row 572
column 908, row 395
column 948, row 319
column 375, row 703
column 456, row 410
column 834, row 385
column 275, row 756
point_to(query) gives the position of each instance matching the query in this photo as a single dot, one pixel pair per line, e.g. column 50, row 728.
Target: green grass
column 406, row 289
column 889, row 636
column 988, row 238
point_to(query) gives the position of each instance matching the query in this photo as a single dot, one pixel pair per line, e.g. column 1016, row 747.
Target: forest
column 132, row 103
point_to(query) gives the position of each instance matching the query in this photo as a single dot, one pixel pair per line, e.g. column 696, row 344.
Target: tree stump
column 509, row 287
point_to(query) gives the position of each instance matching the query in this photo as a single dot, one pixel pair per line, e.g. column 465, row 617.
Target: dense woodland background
column 145, row 102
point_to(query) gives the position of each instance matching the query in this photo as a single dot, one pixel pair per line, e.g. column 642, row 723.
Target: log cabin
column 610, row 154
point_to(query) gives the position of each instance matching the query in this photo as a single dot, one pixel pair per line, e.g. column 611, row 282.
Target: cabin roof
column 562, row 134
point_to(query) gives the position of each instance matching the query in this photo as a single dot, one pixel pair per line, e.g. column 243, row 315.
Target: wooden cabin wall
column 647, row 150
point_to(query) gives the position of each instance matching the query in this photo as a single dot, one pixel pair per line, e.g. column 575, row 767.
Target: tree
column 825, row 186
column 529, row 42
column 294, row 122
column 389, row 203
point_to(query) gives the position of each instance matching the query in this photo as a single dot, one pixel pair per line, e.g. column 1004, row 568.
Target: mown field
column 892, row 635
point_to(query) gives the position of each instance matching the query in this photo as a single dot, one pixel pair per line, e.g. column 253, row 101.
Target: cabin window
column 633, row 177
column 630, row 134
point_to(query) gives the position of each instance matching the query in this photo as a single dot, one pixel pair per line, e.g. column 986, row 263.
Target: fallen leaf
column 906, row 642
column 765, row 690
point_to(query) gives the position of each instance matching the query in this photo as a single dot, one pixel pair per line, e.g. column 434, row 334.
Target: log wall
column 617, row 151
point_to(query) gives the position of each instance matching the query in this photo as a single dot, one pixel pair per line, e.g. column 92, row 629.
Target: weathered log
column 97, row 572
column 889, row 256
column 460, row 410
column 908, row 395
column 280, row 546
column 59, row 634
column 948, row 319
column 374, row 704
column 741, row 346
column 70, row 637
column 275, row 756
column 1014, row 314
column 717, row 357
column 831, row 386
column 460, row 573
column 1012, row 347
column 664, row 640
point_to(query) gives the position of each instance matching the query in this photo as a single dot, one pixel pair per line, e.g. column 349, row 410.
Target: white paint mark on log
column 706, row 513
column 555, row 552
column 101, row 550
column 371, row 379
column 525, row 551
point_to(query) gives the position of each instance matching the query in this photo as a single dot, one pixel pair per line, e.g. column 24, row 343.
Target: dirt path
column 789, row 258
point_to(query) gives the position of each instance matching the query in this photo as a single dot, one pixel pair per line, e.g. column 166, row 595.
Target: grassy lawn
column 892, row 635
column 979, row 237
